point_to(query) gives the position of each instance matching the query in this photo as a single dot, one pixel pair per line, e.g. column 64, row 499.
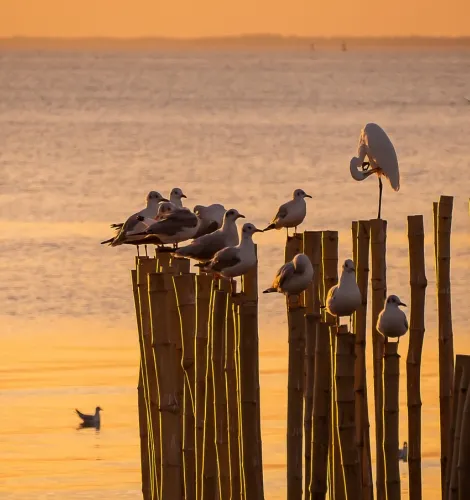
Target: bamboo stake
column 378, row 238
column 295, row 380
column 446, row 347
column 464, row 369
column 146, row 446
column 391, row 423
column 464, row 450
column 186, row 299
column 164, row 344
column 220, row 399
column 203, row 290
column 321, row 414
column 345, row 357
column 361, row 242
column 418, row 284
column 312, row 248
column 249, row 387
column 209, row 464
column 232, row 398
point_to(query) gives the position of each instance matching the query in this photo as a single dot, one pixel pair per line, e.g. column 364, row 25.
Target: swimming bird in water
column 344, row 298
column 293, row 277
column 292, row 213
column 382, row 159
column 176, row 196
column 90, row 420
column 392, row 320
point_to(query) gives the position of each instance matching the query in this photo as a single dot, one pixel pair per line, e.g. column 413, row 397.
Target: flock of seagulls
column 214, row 243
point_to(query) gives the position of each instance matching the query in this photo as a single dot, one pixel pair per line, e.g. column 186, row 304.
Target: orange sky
column 189, row 18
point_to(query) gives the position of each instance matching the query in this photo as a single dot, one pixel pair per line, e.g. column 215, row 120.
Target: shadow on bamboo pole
column 391, row 427
column 378, row 239
column 146, row 446
column 186, row 297
column 464, row 450
column 220, row 399
column 231, row 346
column 446, row 347
column 321, row 414
column 295, row 379
column 345, row 357
column 249, row 387
column 418, row 284
column 462, row 376
column 312, row 248
column 144, row 267
column 361, row 244
column 164, row 344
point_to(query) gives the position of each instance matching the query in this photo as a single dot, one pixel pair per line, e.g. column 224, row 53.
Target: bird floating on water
column 90, row 420
column 344, row 298
column 293, row 277
column 382, row 159
column 392, row 322
column 292, row 213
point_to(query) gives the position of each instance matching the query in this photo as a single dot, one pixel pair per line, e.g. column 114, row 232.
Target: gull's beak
column 164, row 199
column 370, row 172
column 240, row 216
column 183, row 196
column 258, row 230
column 402, row 304
column 307, row 196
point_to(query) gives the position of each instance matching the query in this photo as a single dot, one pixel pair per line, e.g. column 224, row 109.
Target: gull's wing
column 283, row 274
column 225, row 258
column 85, row 418
column 281, row 213
column 174, row 222
column 204, row 247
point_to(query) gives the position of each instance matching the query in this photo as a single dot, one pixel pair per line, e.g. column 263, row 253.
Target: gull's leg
column 350, row 323
column 146, row 254
column 287, row 229
column 138, row 254
column 380, row 196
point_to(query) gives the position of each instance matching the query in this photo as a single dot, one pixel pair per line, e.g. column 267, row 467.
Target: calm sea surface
column 83, row 138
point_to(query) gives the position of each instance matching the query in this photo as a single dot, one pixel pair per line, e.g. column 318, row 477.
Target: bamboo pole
column 446, row 347
column 203, row 290
column 464, row 450
column 232, row 398
column 454, row 493
column 378, row 238
column 220, row 398
column 312, row 248
column 184, row 285
column 295, row 380
column 361, row 242
column 209, row 461
column 249, row 387
column 345, row 357
column 418, row 284
column 321, row 414
column 164, row 344
column 391, row 422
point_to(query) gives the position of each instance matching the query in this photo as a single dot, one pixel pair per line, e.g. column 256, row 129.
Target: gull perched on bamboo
column 211, row 218
column 292, row 213
column 206, row 246
column 392, row 320
column 293, row 277
column 176, row 196
column 90, row 420
column 382, row 159
column 344, row 298
column 235, row 261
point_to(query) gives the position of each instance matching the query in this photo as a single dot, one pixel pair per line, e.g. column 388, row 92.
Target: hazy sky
column 188, row 18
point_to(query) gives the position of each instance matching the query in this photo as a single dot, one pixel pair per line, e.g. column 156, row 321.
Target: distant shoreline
column 242, row 42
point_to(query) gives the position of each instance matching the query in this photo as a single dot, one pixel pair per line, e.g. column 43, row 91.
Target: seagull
column 231, row 262
column 382, row 159
column 206, row 246
column 392, row 320
column 211, row 218
column 175, row 197
column 344, row 298
column 153, row 199
column 90, row 420
column 292, row 213
column 403, row 453
column 293, row 277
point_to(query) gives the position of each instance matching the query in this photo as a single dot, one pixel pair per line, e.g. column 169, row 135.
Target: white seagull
column 392, row 320
column 90, row 420
column 235, row 261
column 382, row 158
column 211, row 218
column 293, row 277
column 206, row 246
column 344, row 298
column 292, row 213
column 176, row 196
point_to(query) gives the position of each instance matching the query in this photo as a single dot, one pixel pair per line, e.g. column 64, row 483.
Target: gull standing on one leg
column 392, row 320
column 293, row 277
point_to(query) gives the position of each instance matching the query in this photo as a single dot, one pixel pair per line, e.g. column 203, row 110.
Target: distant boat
column 343, row 47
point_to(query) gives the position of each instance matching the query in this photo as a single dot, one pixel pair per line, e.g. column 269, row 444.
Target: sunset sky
column 193, row 18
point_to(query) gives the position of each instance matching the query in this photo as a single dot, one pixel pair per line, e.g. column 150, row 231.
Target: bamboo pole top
column 145, row 266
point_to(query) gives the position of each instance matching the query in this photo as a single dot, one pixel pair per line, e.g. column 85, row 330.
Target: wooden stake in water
column 446, row 343
column 378, row 238
column 391, row 429
column 418, row 284
column 464, row 451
